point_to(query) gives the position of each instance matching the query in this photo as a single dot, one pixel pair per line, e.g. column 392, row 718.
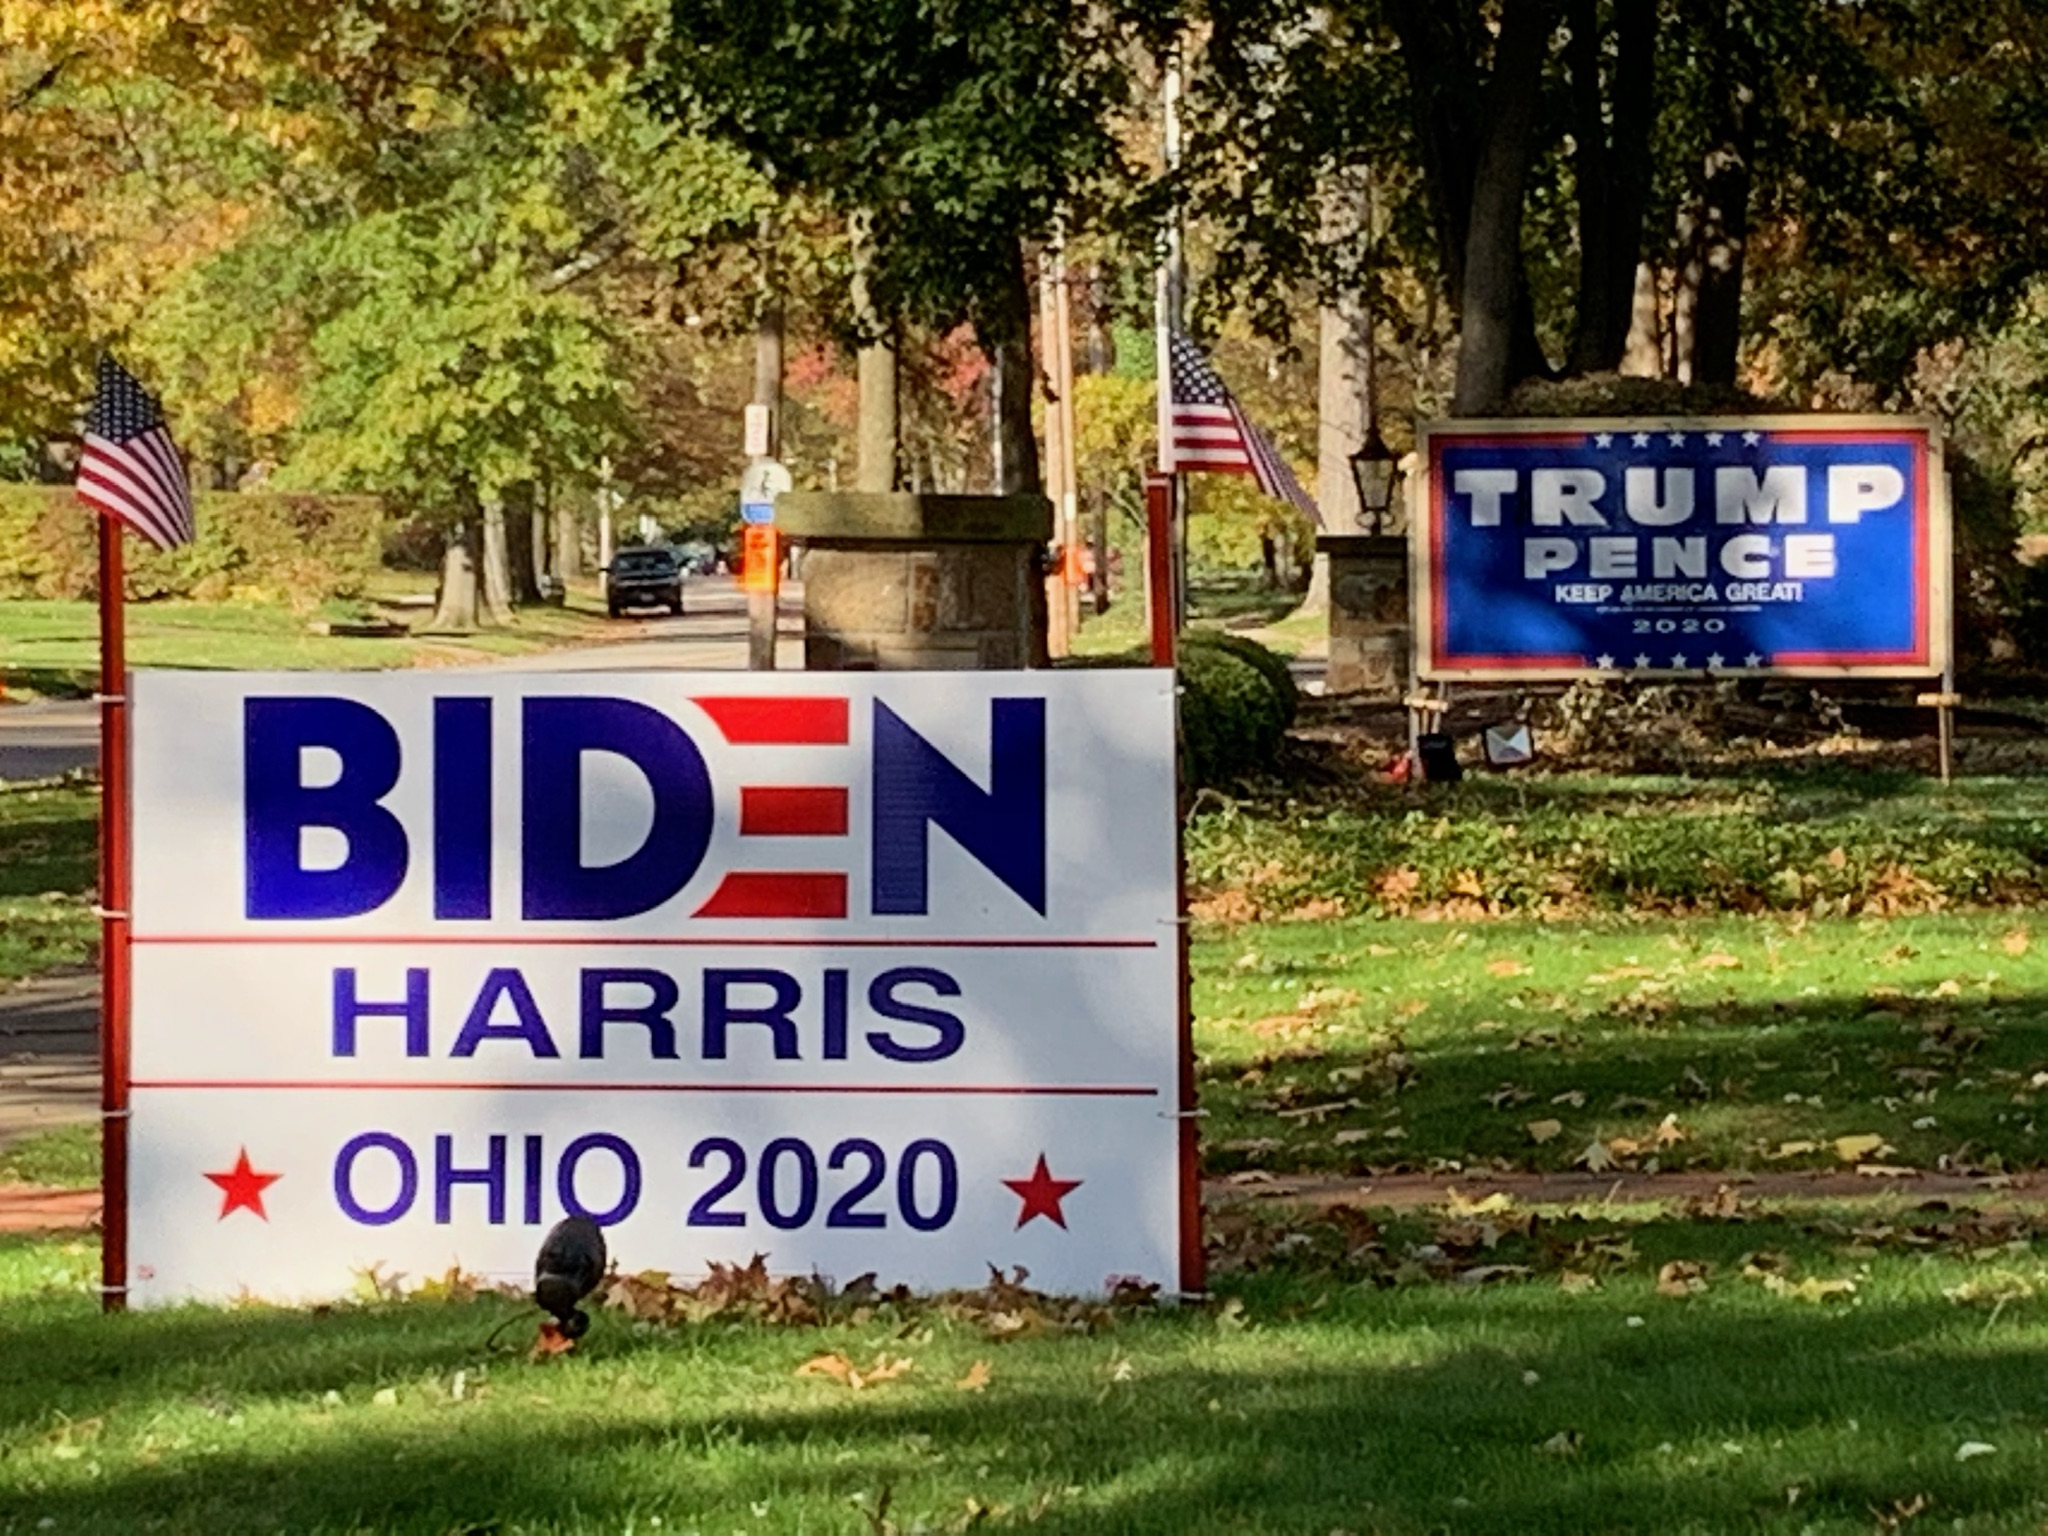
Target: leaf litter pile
column 1005, row 1309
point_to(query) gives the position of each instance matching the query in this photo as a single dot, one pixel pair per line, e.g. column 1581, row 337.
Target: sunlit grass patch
column 1722, row 1043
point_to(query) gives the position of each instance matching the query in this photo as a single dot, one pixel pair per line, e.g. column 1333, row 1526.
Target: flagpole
column 113, row 702
column 1165, row 591
column 1170, row 300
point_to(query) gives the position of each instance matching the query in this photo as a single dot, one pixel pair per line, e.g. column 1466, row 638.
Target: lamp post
column 1374, row 471
column 1369, row 581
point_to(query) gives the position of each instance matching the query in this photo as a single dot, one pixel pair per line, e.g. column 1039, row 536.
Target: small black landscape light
column 572, row 1260
column 1374, row 471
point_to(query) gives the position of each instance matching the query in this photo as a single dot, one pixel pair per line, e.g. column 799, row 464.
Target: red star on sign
column 1042, row 1194
column 242, row 1188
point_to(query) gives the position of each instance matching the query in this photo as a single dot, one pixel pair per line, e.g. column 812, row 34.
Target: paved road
column 49, row 1054
column 40, row 741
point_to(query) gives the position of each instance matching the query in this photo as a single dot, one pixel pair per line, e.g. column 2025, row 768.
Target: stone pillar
column 897, row 582
column 1369, row 636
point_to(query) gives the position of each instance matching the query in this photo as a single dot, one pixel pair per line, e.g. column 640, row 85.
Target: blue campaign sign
column 1796, row 546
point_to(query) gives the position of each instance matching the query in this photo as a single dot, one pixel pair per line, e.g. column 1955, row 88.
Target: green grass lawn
column 62, row 1159
column 49, row 840
column 1671, row 1367
column 1362, row 1045
column 52, row 648
column 1804, row 1373
column 1218, row 599
column 1852, row 838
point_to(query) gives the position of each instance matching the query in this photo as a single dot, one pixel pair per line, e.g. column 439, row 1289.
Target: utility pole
column 764, row 441
column 604, row 523
column 1069, row 506
column 1057, row 358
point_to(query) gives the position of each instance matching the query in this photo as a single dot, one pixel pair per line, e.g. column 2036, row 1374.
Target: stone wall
column 1369, row 631
column 899, row 582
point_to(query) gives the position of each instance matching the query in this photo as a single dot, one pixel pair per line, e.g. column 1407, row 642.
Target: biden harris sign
column 1798, row 546
column 857, row 972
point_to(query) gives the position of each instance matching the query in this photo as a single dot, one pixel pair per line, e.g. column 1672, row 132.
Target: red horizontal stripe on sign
column 1011, row 1090
column 625, row 941
column 777, row 893
column 773, row 721
column 798, row 811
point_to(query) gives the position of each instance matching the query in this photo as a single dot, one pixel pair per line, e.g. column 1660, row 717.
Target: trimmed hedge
column 1271, row 664
column 251, row 546
column 1237, row 700
column 1231, row 718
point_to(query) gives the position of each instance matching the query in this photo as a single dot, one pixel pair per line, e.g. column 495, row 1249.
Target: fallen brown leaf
column 837, row 1367
column 1681, row 1277
column 551, row 1341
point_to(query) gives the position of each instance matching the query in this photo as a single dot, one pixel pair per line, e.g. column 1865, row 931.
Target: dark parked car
column 644, row 578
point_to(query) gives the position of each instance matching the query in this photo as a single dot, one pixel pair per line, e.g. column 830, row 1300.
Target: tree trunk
column 1437, row 53
column 1643, row 355
column 1612, row 167
column 1721, row 229
column 1011, row 353
column 568, row 541
column 540, row 526
column 1344, row 371
column 455, row 605
column 1344, row 389
column 523, row 561
column 876, row 434
column 497, row 569
column 1494, row 296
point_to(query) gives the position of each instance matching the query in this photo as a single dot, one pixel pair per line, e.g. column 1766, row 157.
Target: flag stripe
column 130, row 469
column 1209, row 432
column 132, row 500
column 120, row 498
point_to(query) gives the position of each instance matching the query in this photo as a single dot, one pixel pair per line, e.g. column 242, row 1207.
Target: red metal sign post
column 113, row 703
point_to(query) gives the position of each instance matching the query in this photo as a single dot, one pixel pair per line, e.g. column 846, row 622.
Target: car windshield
column 645, row 562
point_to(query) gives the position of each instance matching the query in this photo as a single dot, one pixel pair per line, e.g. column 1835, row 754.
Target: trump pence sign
column 857, row 972
column 1801, row 546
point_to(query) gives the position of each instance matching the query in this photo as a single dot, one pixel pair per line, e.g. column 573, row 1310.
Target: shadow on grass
column 1936, row 1077
column 1401, row 1411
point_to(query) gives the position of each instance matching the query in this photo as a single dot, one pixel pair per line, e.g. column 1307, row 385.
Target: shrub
column 254, row 544
column 1232, row 719
column 1271, row 664
column 1233, row 715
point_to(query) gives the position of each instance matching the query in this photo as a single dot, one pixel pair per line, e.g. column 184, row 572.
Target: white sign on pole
column 862, row 972
column 757, row 423
column 764, row 480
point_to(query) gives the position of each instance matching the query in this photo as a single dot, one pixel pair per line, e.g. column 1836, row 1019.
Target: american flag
column 1211, row 431
column 130, row 469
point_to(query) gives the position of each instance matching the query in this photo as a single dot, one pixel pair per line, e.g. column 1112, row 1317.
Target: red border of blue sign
column 1932, row 617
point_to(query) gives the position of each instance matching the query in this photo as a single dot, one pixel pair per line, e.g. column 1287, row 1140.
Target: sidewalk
column 49, row 1054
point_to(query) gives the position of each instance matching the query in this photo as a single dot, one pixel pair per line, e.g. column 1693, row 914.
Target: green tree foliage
column 1832, row 188
column 953, row 130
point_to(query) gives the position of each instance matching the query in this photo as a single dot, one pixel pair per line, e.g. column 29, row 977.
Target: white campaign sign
column 860, row 972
